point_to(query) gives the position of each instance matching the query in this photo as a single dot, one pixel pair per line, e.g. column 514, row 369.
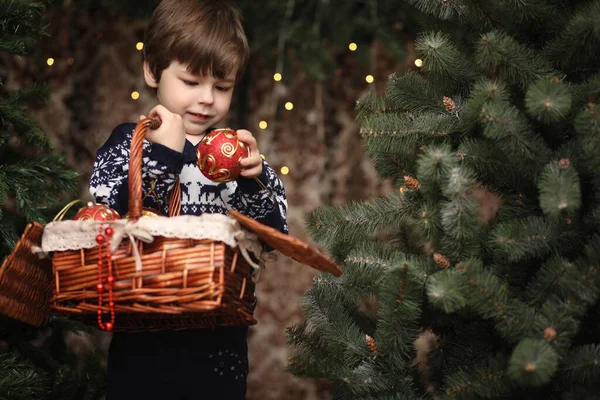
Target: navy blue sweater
column 191, row 364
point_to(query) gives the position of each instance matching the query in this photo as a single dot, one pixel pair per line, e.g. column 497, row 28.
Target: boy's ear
column 149, row 76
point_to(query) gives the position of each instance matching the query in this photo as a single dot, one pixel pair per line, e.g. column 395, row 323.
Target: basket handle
column 135, row 172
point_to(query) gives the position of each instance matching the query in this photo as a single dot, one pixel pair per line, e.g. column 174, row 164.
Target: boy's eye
column 223, row 88
column 189, row 83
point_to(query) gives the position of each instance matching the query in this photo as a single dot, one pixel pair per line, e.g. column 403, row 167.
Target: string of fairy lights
column 277, row 77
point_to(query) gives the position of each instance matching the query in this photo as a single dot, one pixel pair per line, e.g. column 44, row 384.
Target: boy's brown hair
column 205, row 34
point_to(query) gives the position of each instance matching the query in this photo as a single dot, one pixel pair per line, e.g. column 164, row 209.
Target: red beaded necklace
column 105, row 239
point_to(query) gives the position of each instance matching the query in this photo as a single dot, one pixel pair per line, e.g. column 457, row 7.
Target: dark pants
column 202, row 364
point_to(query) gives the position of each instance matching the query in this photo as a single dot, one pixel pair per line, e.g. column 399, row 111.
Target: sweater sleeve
column 109, row 182
column 265, row 203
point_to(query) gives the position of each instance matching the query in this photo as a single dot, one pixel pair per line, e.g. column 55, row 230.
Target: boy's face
column 202, row 101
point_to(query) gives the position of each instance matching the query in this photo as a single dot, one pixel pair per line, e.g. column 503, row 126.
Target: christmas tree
column 478, row 278
column 34, row 363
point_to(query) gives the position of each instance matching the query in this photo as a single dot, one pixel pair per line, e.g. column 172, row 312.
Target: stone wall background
column 97, row 67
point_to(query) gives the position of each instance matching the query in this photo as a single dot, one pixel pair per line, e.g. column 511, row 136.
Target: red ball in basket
column 219, row 154
column 96, row 212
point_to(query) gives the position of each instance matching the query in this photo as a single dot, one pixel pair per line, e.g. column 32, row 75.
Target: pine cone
column 412, row 182
column 441, row 260
column 371, row 344
column 549, row 334
column 449, row 104
column 564, row 163
column 530, row 366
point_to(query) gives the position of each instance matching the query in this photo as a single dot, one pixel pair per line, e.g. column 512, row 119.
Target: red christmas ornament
column 96, row 212
column 219, row 154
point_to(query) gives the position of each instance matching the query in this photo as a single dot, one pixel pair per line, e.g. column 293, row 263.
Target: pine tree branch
column 560, row 190
column 20, row 380
column 508, row 127
column 391, row 129
column 531, row 237
column 21, row 19
column 472, row 11
column 485, row 158
column 528, row 11
column 577, row 46
column 334, row 323
column 486, row 381
column 449, row 70
column 371, row 104
column 348, row 223
column 415, row 94
column 513, row 62
column 400, row 296
column 551, row 279
column 548, row 100
column 533, row 363
column 460, row 216
column 15, row 118
column 587, row 126
column 581, row 366
column 447, row 291
column 492, row 299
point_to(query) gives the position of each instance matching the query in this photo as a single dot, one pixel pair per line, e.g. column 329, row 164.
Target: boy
column 195, row 51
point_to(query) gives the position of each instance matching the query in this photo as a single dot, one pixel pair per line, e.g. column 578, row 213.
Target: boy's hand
column 251, row 165
column 171, row 132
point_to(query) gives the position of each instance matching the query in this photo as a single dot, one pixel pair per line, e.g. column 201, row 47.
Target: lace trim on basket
column 75, row 235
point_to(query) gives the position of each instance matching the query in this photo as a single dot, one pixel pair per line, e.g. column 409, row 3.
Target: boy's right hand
column 171, row 132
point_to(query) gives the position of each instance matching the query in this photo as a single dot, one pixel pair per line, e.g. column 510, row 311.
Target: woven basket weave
column 26, row 280
column 184, row 283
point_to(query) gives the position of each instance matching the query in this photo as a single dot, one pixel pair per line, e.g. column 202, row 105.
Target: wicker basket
column 26, row 280
column 183, row 283
column 166, row 283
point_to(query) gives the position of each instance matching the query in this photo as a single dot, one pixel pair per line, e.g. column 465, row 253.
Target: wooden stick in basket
column 135, row 172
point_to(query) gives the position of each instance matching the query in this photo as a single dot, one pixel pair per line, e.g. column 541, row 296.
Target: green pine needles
column 31, row 176
column 479, row 278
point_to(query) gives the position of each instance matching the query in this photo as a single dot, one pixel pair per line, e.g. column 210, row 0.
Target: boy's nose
column 205, row 96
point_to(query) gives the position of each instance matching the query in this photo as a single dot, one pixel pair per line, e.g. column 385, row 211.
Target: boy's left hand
column 251, row 165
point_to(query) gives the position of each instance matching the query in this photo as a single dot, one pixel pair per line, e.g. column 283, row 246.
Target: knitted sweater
column 199, row 195
column 177, row 363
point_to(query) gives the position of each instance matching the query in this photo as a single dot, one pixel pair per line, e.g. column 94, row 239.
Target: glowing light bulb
column 135, row 95
column 419, row 62
column 289, row 106
column 277, row 77
column 263, row 124
column 50, row 61
column 353, row 46
column 369, row 79
column 139, row 46
column 285, row 170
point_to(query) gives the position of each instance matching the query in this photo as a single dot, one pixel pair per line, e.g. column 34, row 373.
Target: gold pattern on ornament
column 221, row 175
column 102, row 213
column 228, row 149
column 228, row 133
